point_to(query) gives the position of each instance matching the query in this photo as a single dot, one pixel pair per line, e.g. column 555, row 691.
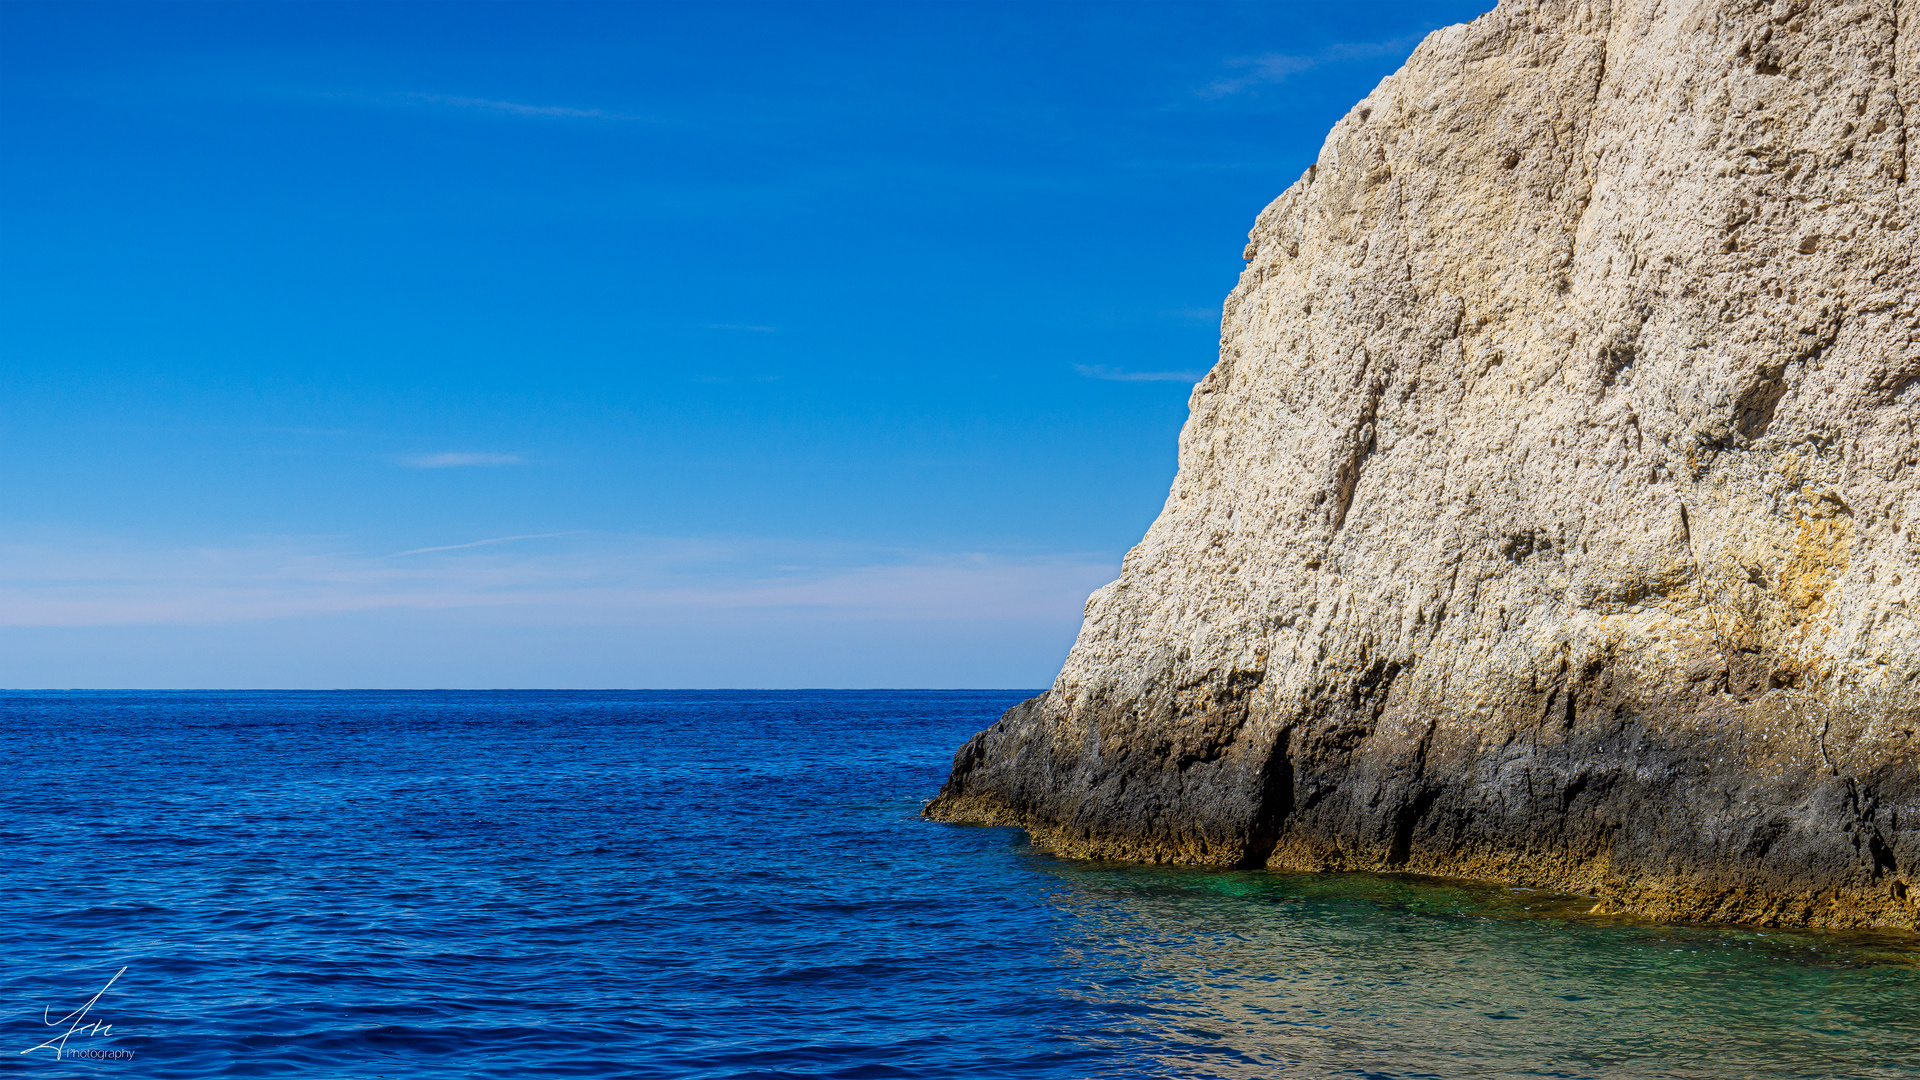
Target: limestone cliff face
column 1552, row 513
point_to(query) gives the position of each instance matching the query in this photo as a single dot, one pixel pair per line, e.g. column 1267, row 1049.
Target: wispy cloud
column 454, row 461
column 592, row 580
column 1101, row 371
column 515, row 108
column 1274, row 68
column 478, row 543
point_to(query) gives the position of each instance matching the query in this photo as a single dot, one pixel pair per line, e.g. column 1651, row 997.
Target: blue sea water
column 737, row 884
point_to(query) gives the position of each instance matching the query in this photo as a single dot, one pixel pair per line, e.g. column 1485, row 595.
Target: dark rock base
column 1686, row 804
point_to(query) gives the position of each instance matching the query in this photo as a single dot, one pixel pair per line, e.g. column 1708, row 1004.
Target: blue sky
column 617, row 345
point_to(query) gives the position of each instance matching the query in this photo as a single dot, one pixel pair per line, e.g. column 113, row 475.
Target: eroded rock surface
column 1552, row 514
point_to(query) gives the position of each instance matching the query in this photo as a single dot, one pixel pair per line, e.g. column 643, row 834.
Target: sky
column 617, row 345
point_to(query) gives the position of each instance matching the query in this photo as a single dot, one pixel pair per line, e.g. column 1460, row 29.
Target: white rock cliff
column 1552, row 514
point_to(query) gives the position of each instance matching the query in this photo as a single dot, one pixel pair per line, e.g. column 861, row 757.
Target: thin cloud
column 515, row 108
column 454, row 461
column 319, row 432
column 1279, row 67
column 477, row 543
column 1101, row 371
column 604, row 580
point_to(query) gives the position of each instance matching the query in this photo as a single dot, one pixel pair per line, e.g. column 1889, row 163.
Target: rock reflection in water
column 1249, row 975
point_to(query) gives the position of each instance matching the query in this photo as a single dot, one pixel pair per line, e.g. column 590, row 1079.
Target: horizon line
column 512, row 689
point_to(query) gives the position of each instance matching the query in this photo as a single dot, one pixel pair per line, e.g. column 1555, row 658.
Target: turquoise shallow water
column 737, row 884
column 1362, row 975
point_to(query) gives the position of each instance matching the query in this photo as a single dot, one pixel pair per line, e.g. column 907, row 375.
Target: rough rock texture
column 1552, row 514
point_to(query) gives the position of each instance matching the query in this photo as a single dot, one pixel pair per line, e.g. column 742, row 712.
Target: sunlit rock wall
column 1552, row 514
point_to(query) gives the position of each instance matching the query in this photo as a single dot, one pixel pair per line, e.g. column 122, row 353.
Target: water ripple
column 737, row 884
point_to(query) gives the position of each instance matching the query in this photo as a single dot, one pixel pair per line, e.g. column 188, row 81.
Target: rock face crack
column 1898, row 49
column 1275, row 804
column 1549, row 516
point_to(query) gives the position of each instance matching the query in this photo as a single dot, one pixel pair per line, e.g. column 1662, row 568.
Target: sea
column 738, row 884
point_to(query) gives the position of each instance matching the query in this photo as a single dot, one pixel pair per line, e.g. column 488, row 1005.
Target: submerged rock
column 1552, row 514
